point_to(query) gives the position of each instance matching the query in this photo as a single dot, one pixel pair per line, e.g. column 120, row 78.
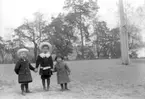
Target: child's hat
column 46, row 44
column 22, row 50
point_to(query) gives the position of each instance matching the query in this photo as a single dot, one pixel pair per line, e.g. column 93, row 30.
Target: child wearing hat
column 22, row 69
column 63, row 72
column 45, row 61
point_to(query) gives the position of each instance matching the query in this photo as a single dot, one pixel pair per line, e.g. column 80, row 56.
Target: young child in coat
column 46, row 64
column 22, row 69
column 63, row 72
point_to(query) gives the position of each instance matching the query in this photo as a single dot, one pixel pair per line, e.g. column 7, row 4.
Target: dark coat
column 22, row 69
column 44, row 62
column 63, row 71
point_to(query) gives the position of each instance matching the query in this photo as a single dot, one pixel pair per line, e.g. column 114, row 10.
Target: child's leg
column 66, row 86
column 61, row 86
column 43, row 83
column 48, row 83
column 22, row 88
column 27, row 87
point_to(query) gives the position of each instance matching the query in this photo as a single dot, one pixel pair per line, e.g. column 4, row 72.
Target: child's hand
column 36, row 70
column 69, row 73
column 53, row 70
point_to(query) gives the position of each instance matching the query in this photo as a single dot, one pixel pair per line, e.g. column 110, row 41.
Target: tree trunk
column 76, row 52
column 2, row 56
column 98, row 54
column 35, row 52
column 124, row 36
column 82, row 38
column 3, row 61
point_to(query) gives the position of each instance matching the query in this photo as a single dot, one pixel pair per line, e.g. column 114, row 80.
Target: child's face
column 23, row 54
column 59, row 59
column 45, row 49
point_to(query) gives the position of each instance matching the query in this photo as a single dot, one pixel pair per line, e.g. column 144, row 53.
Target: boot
column 27, row 88
column 66, row 88
column 61, row 87
column 23, row 93
column 48, row 83
column 43, row 84
column 22, row 88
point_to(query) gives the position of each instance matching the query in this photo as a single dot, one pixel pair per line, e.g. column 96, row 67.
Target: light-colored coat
column 63, row 71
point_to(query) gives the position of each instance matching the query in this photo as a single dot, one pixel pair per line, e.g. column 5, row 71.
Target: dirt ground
column 94, row 79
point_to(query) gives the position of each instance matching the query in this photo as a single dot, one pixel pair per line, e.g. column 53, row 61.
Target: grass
column 91, row 79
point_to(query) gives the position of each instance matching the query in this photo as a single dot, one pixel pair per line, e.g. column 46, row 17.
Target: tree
column 115, row 49
column 135, row 27
column 134, row 38
column 140, row 14
column 80, row 11
column 133, row 24
column 32, row 32
column 102, row 37
column 61, row 35
column 11, row 48
column 2, row 49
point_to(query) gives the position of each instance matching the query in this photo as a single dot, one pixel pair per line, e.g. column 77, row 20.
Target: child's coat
column 62, row 73
column 23, row 68
column 45, row 61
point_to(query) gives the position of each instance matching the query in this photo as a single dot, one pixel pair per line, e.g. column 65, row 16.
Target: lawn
column 94, row 79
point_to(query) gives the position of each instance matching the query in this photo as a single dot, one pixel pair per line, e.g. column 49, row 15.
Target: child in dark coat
column 46, row 64
column 22, row 69
column 63, row 72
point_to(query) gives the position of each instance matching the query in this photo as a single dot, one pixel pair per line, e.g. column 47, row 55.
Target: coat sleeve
column 51, row 62
column 31, row 67
column 37, row 61
column 67, row 68
column 55, row 67
column 17, row 67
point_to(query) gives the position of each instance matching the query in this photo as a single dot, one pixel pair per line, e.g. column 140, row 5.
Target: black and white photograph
column 72, row 49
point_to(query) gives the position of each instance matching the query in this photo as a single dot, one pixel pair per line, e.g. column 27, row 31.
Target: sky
column 13, row 12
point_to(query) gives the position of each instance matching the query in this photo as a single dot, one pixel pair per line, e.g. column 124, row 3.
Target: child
column 22, row 69
column 46, row 64
column 63, row 72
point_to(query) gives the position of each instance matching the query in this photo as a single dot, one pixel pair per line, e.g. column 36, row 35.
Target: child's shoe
column 66, row 89
column 47, row 89
column 44, row 88
column 61, row 89
column 28, row 91
column 23, row 93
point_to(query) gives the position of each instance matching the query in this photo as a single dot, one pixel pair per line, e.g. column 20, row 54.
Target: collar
column 45, row 55
column 23, row 59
